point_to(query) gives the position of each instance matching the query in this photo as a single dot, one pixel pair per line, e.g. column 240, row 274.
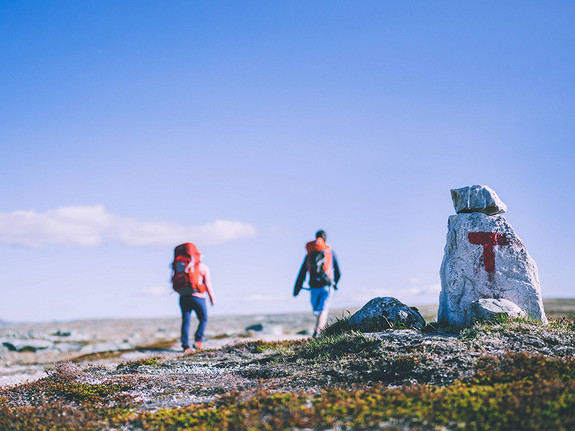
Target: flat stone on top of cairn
column 481, row 199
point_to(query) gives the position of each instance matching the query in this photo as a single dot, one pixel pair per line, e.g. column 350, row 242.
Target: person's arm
column 300, row 277
column 336, row 273
column 208, row 284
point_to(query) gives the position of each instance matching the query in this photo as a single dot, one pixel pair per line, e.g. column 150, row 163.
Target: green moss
column 64, row 385
column 518, row 405
column 513, row 367
column 56, row 417
column 512, row 327
column 337, row 327
column 562, row 324
column 259, row 346
column 78, row 392
column 335, row 346
column 274, row 346
column 503, row 406
column 134, row 365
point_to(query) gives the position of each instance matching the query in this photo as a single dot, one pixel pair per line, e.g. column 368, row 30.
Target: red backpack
column 319, row 263
column 186, row 268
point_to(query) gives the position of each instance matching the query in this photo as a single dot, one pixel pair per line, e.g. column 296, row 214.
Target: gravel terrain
column 27, row 349
column 246, row 360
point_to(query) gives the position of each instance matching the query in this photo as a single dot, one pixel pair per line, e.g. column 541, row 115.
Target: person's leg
column 202, row 314
column 320, row 303
column 321, row 321
column 185, row 306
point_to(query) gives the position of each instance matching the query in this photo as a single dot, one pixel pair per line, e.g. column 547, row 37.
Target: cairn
column 485, row 263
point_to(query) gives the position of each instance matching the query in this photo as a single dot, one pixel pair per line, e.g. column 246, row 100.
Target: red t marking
column 488, row 240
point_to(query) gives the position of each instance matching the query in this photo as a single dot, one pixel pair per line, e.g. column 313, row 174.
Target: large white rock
column 484, row 258
column 477, row 199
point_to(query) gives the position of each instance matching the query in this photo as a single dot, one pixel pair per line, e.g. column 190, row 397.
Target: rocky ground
column 248, row 360
column 26, row 350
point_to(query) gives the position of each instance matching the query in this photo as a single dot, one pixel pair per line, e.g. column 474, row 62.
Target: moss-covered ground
column 513, row 375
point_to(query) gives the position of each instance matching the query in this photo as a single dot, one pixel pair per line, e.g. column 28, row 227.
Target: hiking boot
column 187, row 351
column 198, row 345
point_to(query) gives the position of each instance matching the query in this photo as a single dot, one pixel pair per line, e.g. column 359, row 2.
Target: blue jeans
column 320, row 297
column 187, row 305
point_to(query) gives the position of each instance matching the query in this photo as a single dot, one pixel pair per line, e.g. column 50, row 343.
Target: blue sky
column 129, row 127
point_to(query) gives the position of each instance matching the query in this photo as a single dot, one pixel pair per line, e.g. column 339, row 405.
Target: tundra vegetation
column 505, row 375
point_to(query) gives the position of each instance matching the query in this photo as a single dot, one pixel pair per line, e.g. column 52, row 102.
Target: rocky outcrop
column 484, row 259
column 383, row 313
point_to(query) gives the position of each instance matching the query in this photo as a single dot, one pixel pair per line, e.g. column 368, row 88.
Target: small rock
column 491, row 309
column 257, row 327
column 11, row 347
column 27, row 345
column 60, row 333
column 476, row 198
column 384, row 313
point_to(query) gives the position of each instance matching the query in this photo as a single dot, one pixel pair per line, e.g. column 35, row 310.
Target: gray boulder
column 492, row 309
column 383, row 313
column 477, row 199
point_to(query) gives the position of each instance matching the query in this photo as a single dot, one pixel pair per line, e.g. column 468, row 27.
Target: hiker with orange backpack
column 191, row 279
column 324, row 274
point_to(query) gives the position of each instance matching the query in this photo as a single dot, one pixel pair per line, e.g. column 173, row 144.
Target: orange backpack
column 319, row 263
column 186, row 269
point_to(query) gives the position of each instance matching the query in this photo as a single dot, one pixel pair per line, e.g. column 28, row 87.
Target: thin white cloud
column 92, row 226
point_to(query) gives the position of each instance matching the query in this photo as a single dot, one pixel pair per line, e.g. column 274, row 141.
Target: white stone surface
column 465, row 270
column 477, row 199
column 489, row 309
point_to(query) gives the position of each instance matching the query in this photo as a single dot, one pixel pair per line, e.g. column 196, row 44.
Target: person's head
column 321, row 234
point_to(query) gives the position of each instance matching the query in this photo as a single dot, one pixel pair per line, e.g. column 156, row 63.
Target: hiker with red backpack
column 323, row 269
column 191, row 279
